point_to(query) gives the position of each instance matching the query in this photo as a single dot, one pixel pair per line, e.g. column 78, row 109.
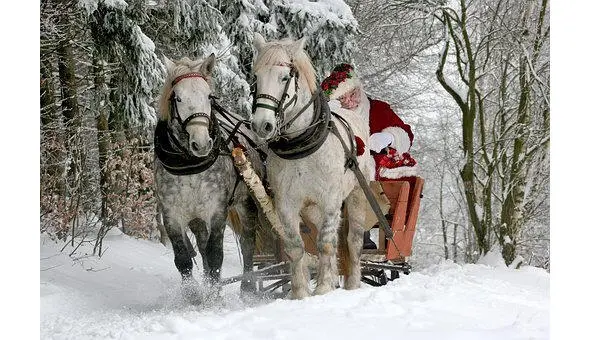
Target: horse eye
column 178, row 99
column 285, row 78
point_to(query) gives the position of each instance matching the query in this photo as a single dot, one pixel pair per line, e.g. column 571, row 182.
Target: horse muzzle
column 201, row 148
column 264, row 129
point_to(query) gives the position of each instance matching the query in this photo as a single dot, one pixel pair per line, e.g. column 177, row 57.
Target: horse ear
column 207, row 66
column 168, row 63
column 258, row 41
column 299, row 45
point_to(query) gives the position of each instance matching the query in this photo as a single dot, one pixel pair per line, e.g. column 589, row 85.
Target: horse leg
column 327, row 245
column 355, row 215
column 214, row 250
column 182, row 258
column 294, row 248
column 248, row 216
column 199, row 229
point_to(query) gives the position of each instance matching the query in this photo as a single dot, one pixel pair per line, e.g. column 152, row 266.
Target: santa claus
column 390, row 138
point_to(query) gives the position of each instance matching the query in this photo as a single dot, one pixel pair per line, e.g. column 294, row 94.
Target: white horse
column 306, row 168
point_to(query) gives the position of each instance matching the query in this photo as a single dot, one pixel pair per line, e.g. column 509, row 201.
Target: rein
column 351, row 163
column 314, row 136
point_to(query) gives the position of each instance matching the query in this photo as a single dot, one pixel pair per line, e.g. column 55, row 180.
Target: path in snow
column 132, row 292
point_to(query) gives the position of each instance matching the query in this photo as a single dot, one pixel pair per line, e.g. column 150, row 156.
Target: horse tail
column 235, row 224
column 343, row 248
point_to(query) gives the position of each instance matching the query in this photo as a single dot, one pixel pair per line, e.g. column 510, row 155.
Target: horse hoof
column 352, row 285
column 191, row 292
column 323, row 289
column 249, row 298
column 247, row 287
column 298, row 294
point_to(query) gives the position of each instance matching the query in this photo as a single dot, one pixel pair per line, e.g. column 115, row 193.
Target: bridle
column 211, row 119
column 175, row 157
column 215, row 126
column 302, row 142
column 280, row 104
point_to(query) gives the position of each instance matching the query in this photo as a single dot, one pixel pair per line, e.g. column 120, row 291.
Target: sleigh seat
column 405, row 197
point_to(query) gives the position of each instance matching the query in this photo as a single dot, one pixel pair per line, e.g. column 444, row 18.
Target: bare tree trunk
column 51, row 131
column 103, row 131
column 70, row 110
column 468, row 108
column 512, row 206
column 455, row 243
column 443, row 226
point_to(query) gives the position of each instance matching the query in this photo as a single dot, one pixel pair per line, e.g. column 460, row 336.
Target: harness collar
column 175, row 159
column 169, row 151
column 311, row 139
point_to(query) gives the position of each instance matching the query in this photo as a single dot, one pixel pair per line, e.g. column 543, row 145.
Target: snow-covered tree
column 109, row 71
column 140, row 71
column 328, row 25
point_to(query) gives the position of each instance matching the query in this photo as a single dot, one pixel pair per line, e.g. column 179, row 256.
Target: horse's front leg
column 294, row 248
column 214, row 251
column 182, row 257
column 355, row 204
column 327, row 245
column 248, row 216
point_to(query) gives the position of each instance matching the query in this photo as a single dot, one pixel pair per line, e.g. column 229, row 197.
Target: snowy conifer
column 141, row 71
column 328, row 25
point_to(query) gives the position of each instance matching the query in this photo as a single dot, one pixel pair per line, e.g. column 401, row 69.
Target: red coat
column 382, row 116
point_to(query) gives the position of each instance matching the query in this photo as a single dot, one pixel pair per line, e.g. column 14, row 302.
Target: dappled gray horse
column 196, row 182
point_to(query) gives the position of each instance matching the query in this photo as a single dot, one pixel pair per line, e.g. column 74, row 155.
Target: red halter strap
column 188, row 75
column 284, row 64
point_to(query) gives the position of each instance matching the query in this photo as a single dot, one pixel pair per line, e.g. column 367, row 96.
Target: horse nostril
column 210, row 144
column 194, row 146
column 268, row 127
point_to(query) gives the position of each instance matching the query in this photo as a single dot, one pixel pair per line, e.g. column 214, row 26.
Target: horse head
column 186, row 104
column 282, row 69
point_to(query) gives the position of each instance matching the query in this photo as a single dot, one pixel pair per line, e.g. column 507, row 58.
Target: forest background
column 471, row 77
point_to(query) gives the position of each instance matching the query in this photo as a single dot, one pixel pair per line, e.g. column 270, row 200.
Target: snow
column 133, row 292
column 493, row 258
column 333, row 10
column 91, row 5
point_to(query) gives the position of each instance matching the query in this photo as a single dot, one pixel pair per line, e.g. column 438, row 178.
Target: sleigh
column 378, row 266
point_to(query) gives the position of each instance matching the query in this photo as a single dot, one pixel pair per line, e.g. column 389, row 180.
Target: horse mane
column 278, row 51
column 182, row 66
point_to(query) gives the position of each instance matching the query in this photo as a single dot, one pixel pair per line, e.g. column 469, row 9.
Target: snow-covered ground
column 133, row 292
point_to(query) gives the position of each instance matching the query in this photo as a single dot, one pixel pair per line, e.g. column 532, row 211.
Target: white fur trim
column 334, row 105
column 344, row 87
column 403, row 171
column 380, row 140
column 401, row 138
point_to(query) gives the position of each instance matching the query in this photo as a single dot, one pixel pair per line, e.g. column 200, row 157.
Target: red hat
column 341, row 80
